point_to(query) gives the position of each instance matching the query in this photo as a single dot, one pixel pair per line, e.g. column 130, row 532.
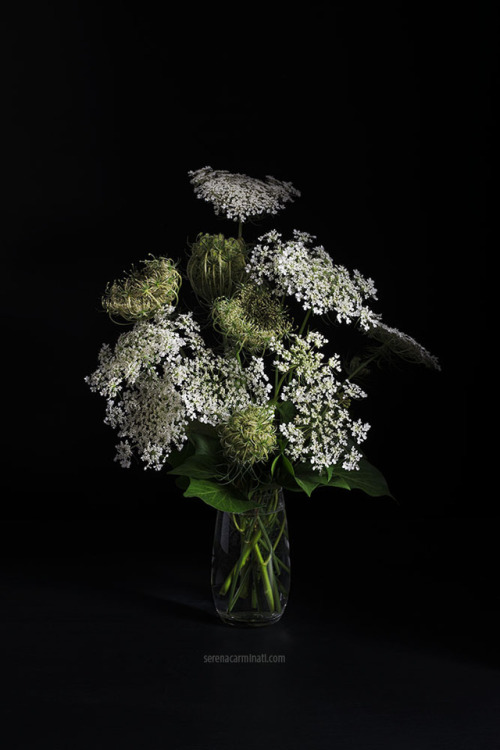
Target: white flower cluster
column 302, row 355
column 161, row 376
column 322, row 430
column 239, row 197
column 296, row 268
column 404, row 346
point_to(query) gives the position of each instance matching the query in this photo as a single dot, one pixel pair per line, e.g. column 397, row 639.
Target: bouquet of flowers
column 240, row 394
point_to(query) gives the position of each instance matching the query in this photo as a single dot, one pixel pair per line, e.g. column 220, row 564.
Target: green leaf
column 273, row 465
column 288, row 466
column 339, row 482
column 308, row 479
column 307, row 484
column 283, row 472
column 178, row 457
column 202, row 428
column 219, row 496
column 196, row 466
column 286, row 410
column 205, row 444
column 367, row 478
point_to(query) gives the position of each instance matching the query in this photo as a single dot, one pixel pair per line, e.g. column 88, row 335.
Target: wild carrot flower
column 251, row 319
column 249, row 436
column 216, row 265
column 239, row 197
column 144, row 291
column 299, row 269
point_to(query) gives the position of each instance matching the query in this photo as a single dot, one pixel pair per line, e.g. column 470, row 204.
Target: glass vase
column 251, row 563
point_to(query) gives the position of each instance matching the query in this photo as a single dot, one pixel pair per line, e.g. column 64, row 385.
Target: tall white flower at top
column 239, row 197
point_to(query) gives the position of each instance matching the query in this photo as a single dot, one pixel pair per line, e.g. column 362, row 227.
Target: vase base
column 249, row 619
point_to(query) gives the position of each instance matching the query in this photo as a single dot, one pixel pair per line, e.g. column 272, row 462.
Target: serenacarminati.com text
column 244, row 658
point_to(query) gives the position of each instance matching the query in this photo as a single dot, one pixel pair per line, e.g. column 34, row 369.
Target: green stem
column 268, row 591
column 280, row 534
column 266, row 537
column 288, row 374
column 277, row 387
column 236, row 594
column 304, row 322
column 233, row 575
column 253, row 564
column 366, row 362
column 276, row 593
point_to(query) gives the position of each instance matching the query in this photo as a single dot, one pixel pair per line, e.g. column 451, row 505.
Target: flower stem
column 304, row 322
column 257, row 565
column 238, row 566
column 366, row 362
column 268, row 591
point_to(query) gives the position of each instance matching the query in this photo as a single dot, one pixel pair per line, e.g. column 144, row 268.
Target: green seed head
column 143, row 291
column 251, row 318
column 249, row 436
column 216, row 266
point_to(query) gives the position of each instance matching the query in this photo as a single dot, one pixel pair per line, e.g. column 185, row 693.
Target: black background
column 382, row 117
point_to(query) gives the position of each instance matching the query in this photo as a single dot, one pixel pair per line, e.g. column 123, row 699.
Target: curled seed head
column 249, row 436
column 144, row 291
column 252, row 318
column 216, row 265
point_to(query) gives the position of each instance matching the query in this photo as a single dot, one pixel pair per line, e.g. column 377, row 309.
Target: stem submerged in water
column 253, row 583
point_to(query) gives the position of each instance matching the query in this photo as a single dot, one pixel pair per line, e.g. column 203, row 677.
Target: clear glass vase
column 251, row 563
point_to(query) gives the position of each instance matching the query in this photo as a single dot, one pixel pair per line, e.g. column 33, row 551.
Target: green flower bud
column 216, row 266
column 143, row 291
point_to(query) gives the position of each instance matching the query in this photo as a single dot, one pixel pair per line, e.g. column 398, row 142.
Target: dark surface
column 383, row 118
column 117, row 650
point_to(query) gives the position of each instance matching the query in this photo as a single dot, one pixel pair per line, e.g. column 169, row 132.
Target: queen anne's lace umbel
column 322, row 431
column 161, row 376
column 403, row 345
column 239, row 197
column 297, row 268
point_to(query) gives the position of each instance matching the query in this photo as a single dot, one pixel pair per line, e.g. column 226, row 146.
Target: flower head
column 299, row 269
column 143, row 292
column 252, row 318
column 249, row 435
column 321, row 430
column 403, row 345
column 160, row 376
column 240, row 197
column 216, row 265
